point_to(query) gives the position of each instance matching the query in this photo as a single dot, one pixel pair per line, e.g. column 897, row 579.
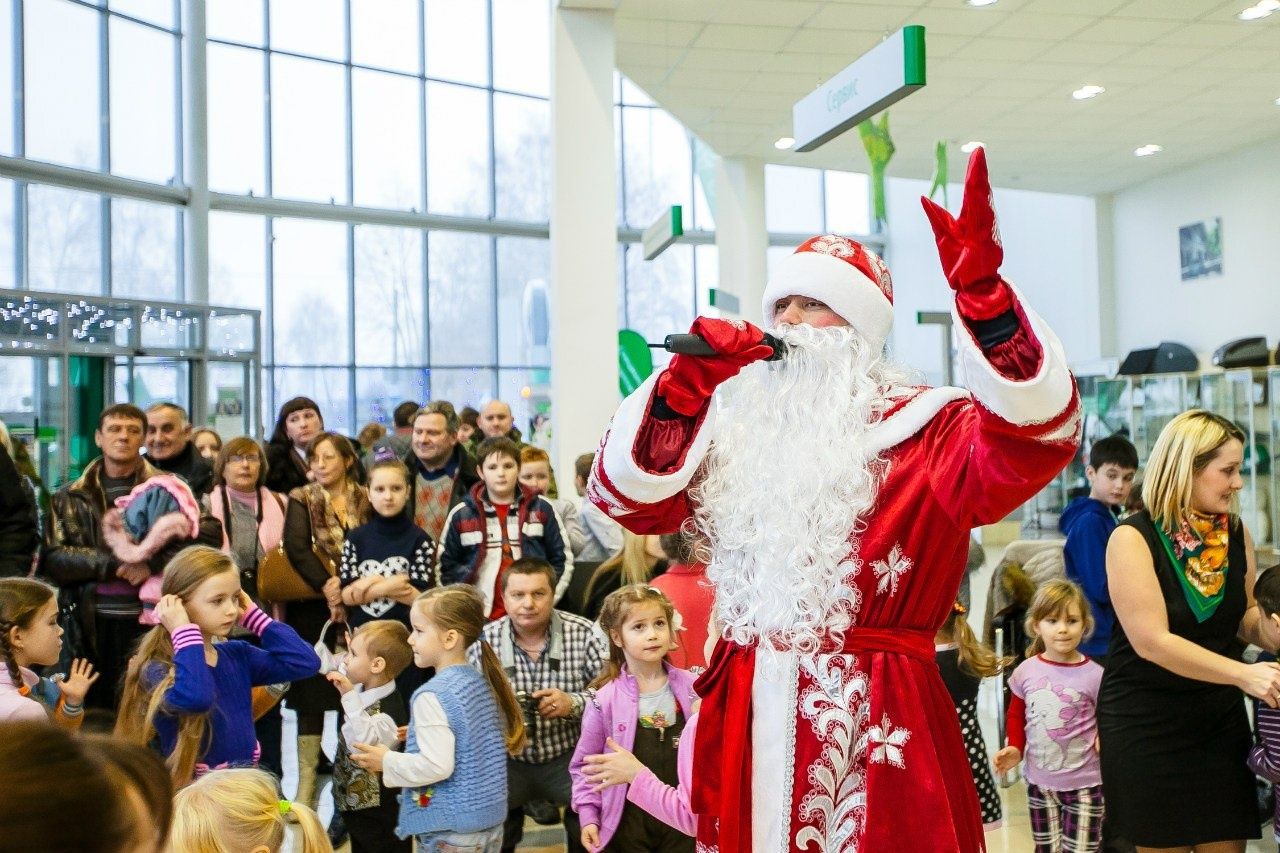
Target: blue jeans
column 485, row 841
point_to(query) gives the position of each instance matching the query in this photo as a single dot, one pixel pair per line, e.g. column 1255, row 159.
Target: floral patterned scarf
column 1199, row 549
column 327, row 529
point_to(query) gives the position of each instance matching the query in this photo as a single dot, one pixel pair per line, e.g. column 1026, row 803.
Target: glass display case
column 63, row 358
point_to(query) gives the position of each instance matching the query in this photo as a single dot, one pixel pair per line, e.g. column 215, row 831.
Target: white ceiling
column 1184, row 74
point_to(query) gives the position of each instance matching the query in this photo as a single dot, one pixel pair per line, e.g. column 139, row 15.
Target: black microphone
column 690, row 344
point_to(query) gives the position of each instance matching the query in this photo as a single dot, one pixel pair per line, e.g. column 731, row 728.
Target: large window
column 379, row 176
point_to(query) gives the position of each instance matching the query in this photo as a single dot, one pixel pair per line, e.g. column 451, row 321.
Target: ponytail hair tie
column 959, row 608
column 285, row 806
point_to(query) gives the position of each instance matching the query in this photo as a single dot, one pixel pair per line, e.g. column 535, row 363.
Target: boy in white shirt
column 373, row 713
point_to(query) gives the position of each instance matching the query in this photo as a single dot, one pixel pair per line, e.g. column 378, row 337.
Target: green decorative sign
column 939, row 172
column 880, row 149
column 635, row 361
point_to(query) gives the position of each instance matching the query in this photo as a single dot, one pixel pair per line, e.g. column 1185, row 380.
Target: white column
column 195, row 116
column 741, row 236
column 584, row 237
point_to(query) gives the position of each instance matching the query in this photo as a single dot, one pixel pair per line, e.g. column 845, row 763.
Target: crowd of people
column 184, row 583
column 493, row 651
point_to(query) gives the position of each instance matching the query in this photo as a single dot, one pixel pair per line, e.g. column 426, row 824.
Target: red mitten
column 689, row 380
column 969, row 247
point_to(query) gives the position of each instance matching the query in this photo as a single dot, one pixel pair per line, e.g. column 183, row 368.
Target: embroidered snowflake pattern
column 887, row 742
column 889, row 570
column 837, row 705
column 832, row 244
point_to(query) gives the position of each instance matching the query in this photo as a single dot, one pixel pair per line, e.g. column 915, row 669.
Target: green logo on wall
column 635, row 362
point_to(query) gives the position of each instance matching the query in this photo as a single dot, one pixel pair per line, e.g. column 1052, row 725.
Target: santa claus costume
column 838, row 499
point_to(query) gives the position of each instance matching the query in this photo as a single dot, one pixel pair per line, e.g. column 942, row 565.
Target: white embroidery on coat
column 890, row 570
column 837, row 704
column 887, row 741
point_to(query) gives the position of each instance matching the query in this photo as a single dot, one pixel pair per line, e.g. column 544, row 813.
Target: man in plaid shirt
column 550, row 657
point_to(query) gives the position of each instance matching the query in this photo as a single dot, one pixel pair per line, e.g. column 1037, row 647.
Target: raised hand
column 969, row 246
column 76, row 683
column 690, row 380
column 341, row 682
column 172, row 613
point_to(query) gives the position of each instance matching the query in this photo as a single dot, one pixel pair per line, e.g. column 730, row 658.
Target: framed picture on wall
column 1200, row 245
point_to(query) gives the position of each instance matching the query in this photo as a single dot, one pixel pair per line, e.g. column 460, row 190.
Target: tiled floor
column 1014, row 836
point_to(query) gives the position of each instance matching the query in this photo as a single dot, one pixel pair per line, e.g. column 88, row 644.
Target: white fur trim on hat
column 838, row 283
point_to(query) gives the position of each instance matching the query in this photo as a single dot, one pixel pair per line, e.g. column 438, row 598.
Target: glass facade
column 368, row 108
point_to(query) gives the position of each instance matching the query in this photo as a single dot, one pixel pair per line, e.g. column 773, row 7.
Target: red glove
column 689, row 380
column 969, row 247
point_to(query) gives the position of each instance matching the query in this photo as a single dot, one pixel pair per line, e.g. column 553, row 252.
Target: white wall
column 1051, row 254
column 1153, row 304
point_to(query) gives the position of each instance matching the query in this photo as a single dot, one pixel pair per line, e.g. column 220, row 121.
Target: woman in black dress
column 1171, row 717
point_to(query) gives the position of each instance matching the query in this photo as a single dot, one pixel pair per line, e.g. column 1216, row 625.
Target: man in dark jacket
column 443, row 470
column 170, row 449
column 98, row 591
column 19, row 536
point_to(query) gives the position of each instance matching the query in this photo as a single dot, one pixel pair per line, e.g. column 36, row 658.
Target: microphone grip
column 690, row 344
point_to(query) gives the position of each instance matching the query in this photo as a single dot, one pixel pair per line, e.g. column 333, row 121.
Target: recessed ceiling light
column 968, row 147
column 979, row 3
column 1147, row 150
column 1278, row 102
column 1253, row 13
column 784, row 143
column 1267, row 5
column 1086, row 92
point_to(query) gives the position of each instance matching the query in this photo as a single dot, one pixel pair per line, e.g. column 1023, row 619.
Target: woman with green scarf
column 1173, row 732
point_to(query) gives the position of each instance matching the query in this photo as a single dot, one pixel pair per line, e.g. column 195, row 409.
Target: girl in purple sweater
column 188, row 686
column 642, row 705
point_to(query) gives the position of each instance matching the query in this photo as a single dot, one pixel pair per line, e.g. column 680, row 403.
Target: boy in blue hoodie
column 1088, row 522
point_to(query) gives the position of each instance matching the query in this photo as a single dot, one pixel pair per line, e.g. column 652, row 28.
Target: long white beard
column 788, row 482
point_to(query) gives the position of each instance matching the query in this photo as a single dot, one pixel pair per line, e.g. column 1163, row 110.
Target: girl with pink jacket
column 643, row 705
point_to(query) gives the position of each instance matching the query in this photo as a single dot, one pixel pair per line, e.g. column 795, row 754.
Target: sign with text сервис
column 882, row 76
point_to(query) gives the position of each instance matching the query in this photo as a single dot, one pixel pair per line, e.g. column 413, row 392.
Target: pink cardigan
column 667, row 804
column 15, row 706
column 614, row 712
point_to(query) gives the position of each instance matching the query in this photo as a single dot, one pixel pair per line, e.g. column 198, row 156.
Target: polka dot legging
column 979, row 761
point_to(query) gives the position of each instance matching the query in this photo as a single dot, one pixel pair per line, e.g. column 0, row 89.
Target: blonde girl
column 240, row 811
column 30, row 636
column 185, row 668
column 1053, row 722
column 964, row 661
column 636, row 563
column 463, row 725
column 641, row 705
column 1181, row 574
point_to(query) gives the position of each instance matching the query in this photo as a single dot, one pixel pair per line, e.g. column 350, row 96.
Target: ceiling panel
column 1184, row 74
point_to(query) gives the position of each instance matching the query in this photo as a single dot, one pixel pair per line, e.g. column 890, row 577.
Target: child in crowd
column 1088, row 522
column 66, row 793
column 389, row 560
column 240, row 811
column 643, row 704
column 604, row 535
column 463, row 726
column 964, row 661
column 30, row 636
column 185, row 668
column 1052, row 720
column 373, row 712
column 499, row 522
column 668, row 803
column 536, row 474
column 1264, row 759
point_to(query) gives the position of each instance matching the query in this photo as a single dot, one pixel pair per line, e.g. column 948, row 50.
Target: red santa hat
column 850, row 278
